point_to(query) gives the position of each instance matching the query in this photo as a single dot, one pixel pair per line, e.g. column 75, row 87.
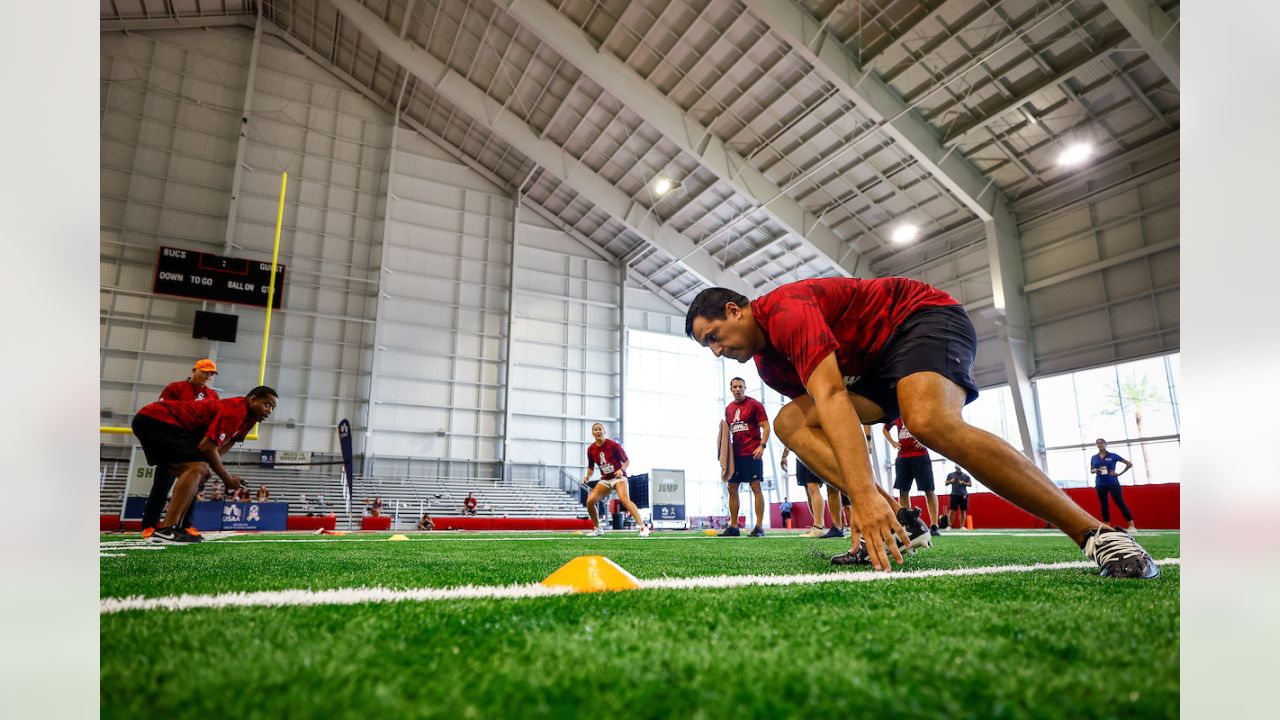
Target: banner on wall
column 667, row 495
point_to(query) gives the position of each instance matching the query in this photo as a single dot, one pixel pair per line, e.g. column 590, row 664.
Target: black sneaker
column 917, row 531
column 730, row 532
column 758, row 532
column 934, row 531
column 858, row 557
column 834, row 532
column 1117, row 554
column 172, row 536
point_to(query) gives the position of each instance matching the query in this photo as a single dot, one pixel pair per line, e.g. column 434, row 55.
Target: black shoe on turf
column 730, row 532
column 172, row 536
column 1118, row 555
column 934, row 531
column 834, row 532
column 758, row 532
column 909, row 519
column 853, row 557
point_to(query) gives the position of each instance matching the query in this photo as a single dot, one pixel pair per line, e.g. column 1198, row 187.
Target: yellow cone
column 708, row 532
column 592, row 573
column 398, row 537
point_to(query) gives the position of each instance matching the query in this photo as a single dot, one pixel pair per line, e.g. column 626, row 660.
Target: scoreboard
column 203, row 276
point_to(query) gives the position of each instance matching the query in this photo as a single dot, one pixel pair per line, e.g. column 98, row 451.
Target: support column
column 622, row 348
column 518, row 197
column 1013, row 326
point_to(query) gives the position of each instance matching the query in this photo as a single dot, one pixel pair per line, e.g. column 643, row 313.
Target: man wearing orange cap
column 195, row 387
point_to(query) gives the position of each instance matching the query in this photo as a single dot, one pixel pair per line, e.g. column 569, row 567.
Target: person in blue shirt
column 1107, row 482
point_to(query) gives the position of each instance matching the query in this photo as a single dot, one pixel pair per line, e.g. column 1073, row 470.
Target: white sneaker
column 644, row 531
column 814, row 531
column 598, row 532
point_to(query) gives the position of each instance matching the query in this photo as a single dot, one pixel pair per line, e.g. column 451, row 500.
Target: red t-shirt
column 805, row 321
column 908, row 445
column 468, row 503
column 222, row 421
column 609, row 457
column 744, row 420
column 187, row 391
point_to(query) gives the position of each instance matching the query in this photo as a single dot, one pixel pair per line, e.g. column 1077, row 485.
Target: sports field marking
column 355, row 596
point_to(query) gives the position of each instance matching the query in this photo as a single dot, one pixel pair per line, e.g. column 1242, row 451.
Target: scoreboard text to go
column 202, row 276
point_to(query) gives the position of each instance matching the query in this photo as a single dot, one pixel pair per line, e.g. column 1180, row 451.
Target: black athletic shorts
column 960, row 502
column 805, row 476
column 917, row 468
column 941, row 339
column 165, row 444
column 747, row 469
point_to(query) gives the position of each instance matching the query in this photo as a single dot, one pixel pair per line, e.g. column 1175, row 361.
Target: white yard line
column 355, row 596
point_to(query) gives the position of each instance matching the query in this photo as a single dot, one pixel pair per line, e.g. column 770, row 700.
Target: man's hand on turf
column 874, row 520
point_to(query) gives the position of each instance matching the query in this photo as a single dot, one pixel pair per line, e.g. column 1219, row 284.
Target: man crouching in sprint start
column 850, row 351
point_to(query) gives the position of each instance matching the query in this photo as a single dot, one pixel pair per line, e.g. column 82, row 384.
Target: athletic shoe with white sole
column 813, row 532
column 758, row 532
column 598, row 532
column 834, row 532
column 1119, row 555
column 731, row 532
column 644, row 531
column 917, row 532
column 172, row 536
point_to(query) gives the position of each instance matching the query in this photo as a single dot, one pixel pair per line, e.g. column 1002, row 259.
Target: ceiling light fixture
column 662, row 186
column 1075, row 154
column 905, row 233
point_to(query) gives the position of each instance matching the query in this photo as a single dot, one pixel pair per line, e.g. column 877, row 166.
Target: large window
column 1134, row 406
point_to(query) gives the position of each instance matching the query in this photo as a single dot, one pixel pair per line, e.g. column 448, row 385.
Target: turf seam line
column 356, row 596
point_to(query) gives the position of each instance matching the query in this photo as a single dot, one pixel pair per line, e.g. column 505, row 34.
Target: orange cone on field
column 592, row 573
column 968, row 522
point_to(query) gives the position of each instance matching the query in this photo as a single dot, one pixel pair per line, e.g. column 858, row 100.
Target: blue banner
column 240, row 516
column 267, row 459
column 668, row 512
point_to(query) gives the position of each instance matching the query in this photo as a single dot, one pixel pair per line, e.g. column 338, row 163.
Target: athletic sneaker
column 730, row 532
column 758, row 532
column 146, row 533
column 917, row 531
column 934, row 531
column 598, row 532
column 813, row 532
column 834, row 532
column 171, row 536
column 644, row 531
column 194, row 533
column 1119, row 555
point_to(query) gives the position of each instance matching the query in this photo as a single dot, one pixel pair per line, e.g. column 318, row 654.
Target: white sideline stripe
column 356, row 596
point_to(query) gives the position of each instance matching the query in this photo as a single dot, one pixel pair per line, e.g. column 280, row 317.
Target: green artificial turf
column 1052, row 644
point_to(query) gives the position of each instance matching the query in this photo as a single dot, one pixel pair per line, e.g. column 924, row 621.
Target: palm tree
column 1134, row 393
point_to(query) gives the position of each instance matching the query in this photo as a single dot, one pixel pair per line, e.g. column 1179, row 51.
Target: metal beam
column 1091, row 268
column 1154, row 31
column 188, row 22
column 559, row 33
column 836, row 64
column 478, row 105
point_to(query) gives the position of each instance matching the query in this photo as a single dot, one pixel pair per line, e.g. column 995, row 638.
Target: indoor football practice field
column 986, row 624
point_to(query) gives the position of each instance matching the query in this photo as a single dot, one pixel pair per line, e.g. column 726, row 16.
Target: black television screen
column 215, row 326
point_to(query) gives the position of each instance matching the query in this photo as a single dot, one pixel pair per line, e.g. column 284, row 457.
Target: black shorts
column 918, row 468
column 941, row 339
column 747, row 469
column 960, row 502
column 805, row 476
column 165, row 444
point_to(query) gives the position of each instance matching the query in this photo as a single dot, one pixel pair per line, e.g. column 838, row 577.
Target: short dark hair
column 744, row 382
column 262, row 391
column 710, row 304
column 1100, row 440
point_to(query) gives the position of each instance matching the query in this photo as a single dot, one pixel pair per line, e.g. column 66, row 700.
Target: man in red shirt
column 749, row 430
column 193, row 388
column 913, row 463
column 850, row 351
column 613, row 462
column 189, row 439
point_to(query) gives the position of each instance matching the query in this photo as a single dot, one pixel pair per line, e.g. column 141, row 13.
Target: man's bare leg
column 799, row 428
column 931, row 404
column 184, row 491
column 733, row 505
column 836, row 507
column 931, row 500
column 759, row 497
column 815, row 503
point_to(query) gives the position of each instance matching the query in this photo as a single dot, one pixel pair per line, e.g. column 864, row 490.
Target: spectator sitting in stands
column 426, row 523
column 217, row 494
column 469, row 505
column 263, row 494
column 305, row 502
column 376, row 508
column 242, row 494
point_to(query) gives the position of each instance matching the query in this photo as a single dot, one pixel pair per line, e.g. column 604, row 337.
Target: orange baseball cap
column 207, row 366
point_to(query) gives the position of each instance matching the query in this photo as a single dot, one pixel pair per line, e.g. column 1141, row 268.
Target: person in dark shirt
column 426, row 523
column 851, row 351
column 959, row 482
column 1107, row 481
